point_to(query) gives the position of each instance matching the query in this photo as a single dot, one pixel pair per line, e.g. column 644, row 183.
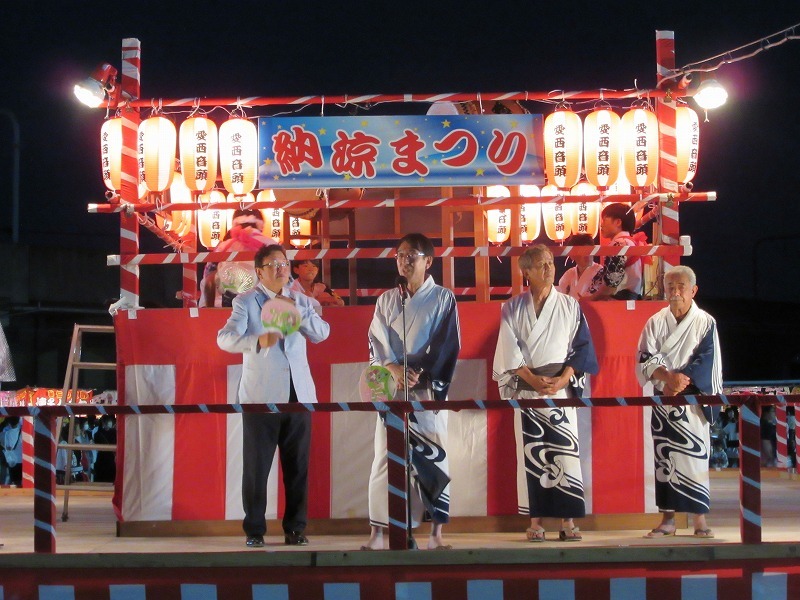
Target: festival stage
column 93, row 563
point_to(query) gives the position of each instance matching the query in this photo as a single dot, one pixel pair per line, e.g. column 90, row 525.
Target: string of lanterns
column 615, row 154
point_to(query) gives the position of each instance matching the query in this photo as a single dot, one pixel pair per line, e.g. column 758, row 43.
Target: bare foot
column 375, row 540
column 435, row 542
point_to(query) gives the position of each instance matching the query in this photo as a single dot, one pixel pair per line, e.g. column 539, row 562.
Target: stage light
column 710, row 95
column 93, row 90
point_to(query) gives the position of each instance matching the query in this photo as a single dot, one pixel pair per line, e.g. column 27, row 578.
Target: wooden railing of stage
column 749, row 449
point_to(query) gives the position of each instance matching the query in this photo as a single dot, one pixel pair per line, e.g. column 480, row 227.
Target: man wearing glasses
column 433, row 341
column 274, row 370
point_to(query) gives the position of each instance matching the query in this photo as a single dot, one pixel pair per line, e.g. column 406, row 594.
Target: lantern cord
column 748, row 50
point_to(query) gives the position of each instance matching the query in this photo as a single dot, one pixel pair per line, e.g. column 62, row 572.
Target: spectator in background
column 105, row 465
column 577, row 281
column 6, row 366
column 730, row 427
column 305, row 273
column 11, row 456
column 769, row 437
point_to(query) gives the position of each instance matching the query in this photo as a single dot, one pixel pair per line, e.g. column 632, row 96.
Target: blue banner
column 401, row 151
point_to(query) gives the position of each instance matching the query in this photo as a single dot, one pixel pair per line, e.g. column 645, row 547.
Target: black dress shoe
column 255, row 541
column 295, row 538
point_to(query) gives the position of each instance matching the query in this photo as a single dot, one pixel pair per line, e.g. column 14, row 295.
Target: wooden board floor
column 91, row 527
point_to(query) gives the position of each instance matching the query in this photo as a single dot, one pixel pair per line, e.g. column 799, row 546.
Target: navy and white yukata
column 433, row 342
column 549, row 478
column 681, row 443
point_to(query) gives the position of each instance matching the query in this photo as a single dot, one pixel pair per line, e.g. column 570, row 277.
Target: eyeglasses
column 275, row 264
column 408, row 256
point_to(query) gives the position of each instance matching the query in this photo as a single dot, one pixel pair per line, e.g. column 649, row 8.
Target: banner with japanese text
column 400, row 151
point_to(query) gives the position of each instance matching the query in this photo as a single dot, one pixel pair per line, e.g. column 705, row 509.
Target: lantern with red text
column 298, row 227
column 498, row 221
column 687, row 141
column 601, row 147
column 156, row 147
column 557, row 219
column 273, row 217
column 585, row 216
column 238, row 155
column 563, row 146
column 111, row 153
column 640, row 146
column 212, row 223
column 530, row 214
column 198, row 148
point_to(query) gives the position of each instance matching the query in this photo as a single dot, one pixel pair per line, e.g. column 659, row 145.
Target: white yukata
column 577, row 286
column 549, row 478
column 433, row 342
column 681, row 441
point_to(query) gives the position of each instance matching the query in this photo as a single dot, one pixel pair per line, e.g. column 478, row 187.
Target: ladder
column 74, row 366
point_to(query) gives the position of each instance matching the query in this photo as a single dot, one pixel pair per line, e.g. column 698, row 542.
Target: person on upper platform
column 577, row 281
column 621, row 276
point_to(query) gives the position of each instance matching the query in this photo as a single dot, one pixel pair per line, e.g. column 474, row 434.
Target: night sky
column 749, row 150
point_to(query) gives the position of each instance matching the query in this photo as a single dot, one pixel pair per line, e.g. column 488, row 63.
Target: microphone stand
column 411, row 544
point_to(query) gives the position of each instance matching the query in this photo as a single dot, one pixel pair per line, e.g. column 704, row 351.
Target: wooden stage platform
column 92, row 562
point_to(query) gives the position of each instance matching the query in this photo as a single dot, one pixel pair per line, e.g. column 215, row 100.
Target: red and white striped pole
column 667, row 142
column 782, row 437
column 750, row 471
column 27, row 452
column 129, row 223
column 44, row 498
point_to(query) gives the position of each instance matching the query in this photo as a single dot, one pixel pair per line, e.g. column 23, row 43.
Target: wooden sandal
column 570, row 535
column 535, row 535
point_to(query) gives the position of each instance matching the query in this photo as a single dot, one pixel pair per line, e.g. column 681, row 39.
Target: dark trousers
column 262, row 434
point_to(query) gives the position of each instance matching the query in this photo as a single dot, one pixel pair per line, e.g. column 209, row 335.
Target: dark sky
column 749, row 153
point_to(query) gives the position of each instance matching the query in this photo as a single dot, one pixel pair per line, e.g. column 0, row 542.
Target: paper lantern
column 298, row 226
column 557, row 218
column 111, row 153
column 530, row 222
column 212, row 223
column 498, row 225
column 156, row 148
column 687, row 142
column 273, row 217
column 601, row 131
column 177, row 221
column 498, row 221
column 640, row 146
column 563, row 146
column 585, row 216
column 198, row 149
column 238, row 155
